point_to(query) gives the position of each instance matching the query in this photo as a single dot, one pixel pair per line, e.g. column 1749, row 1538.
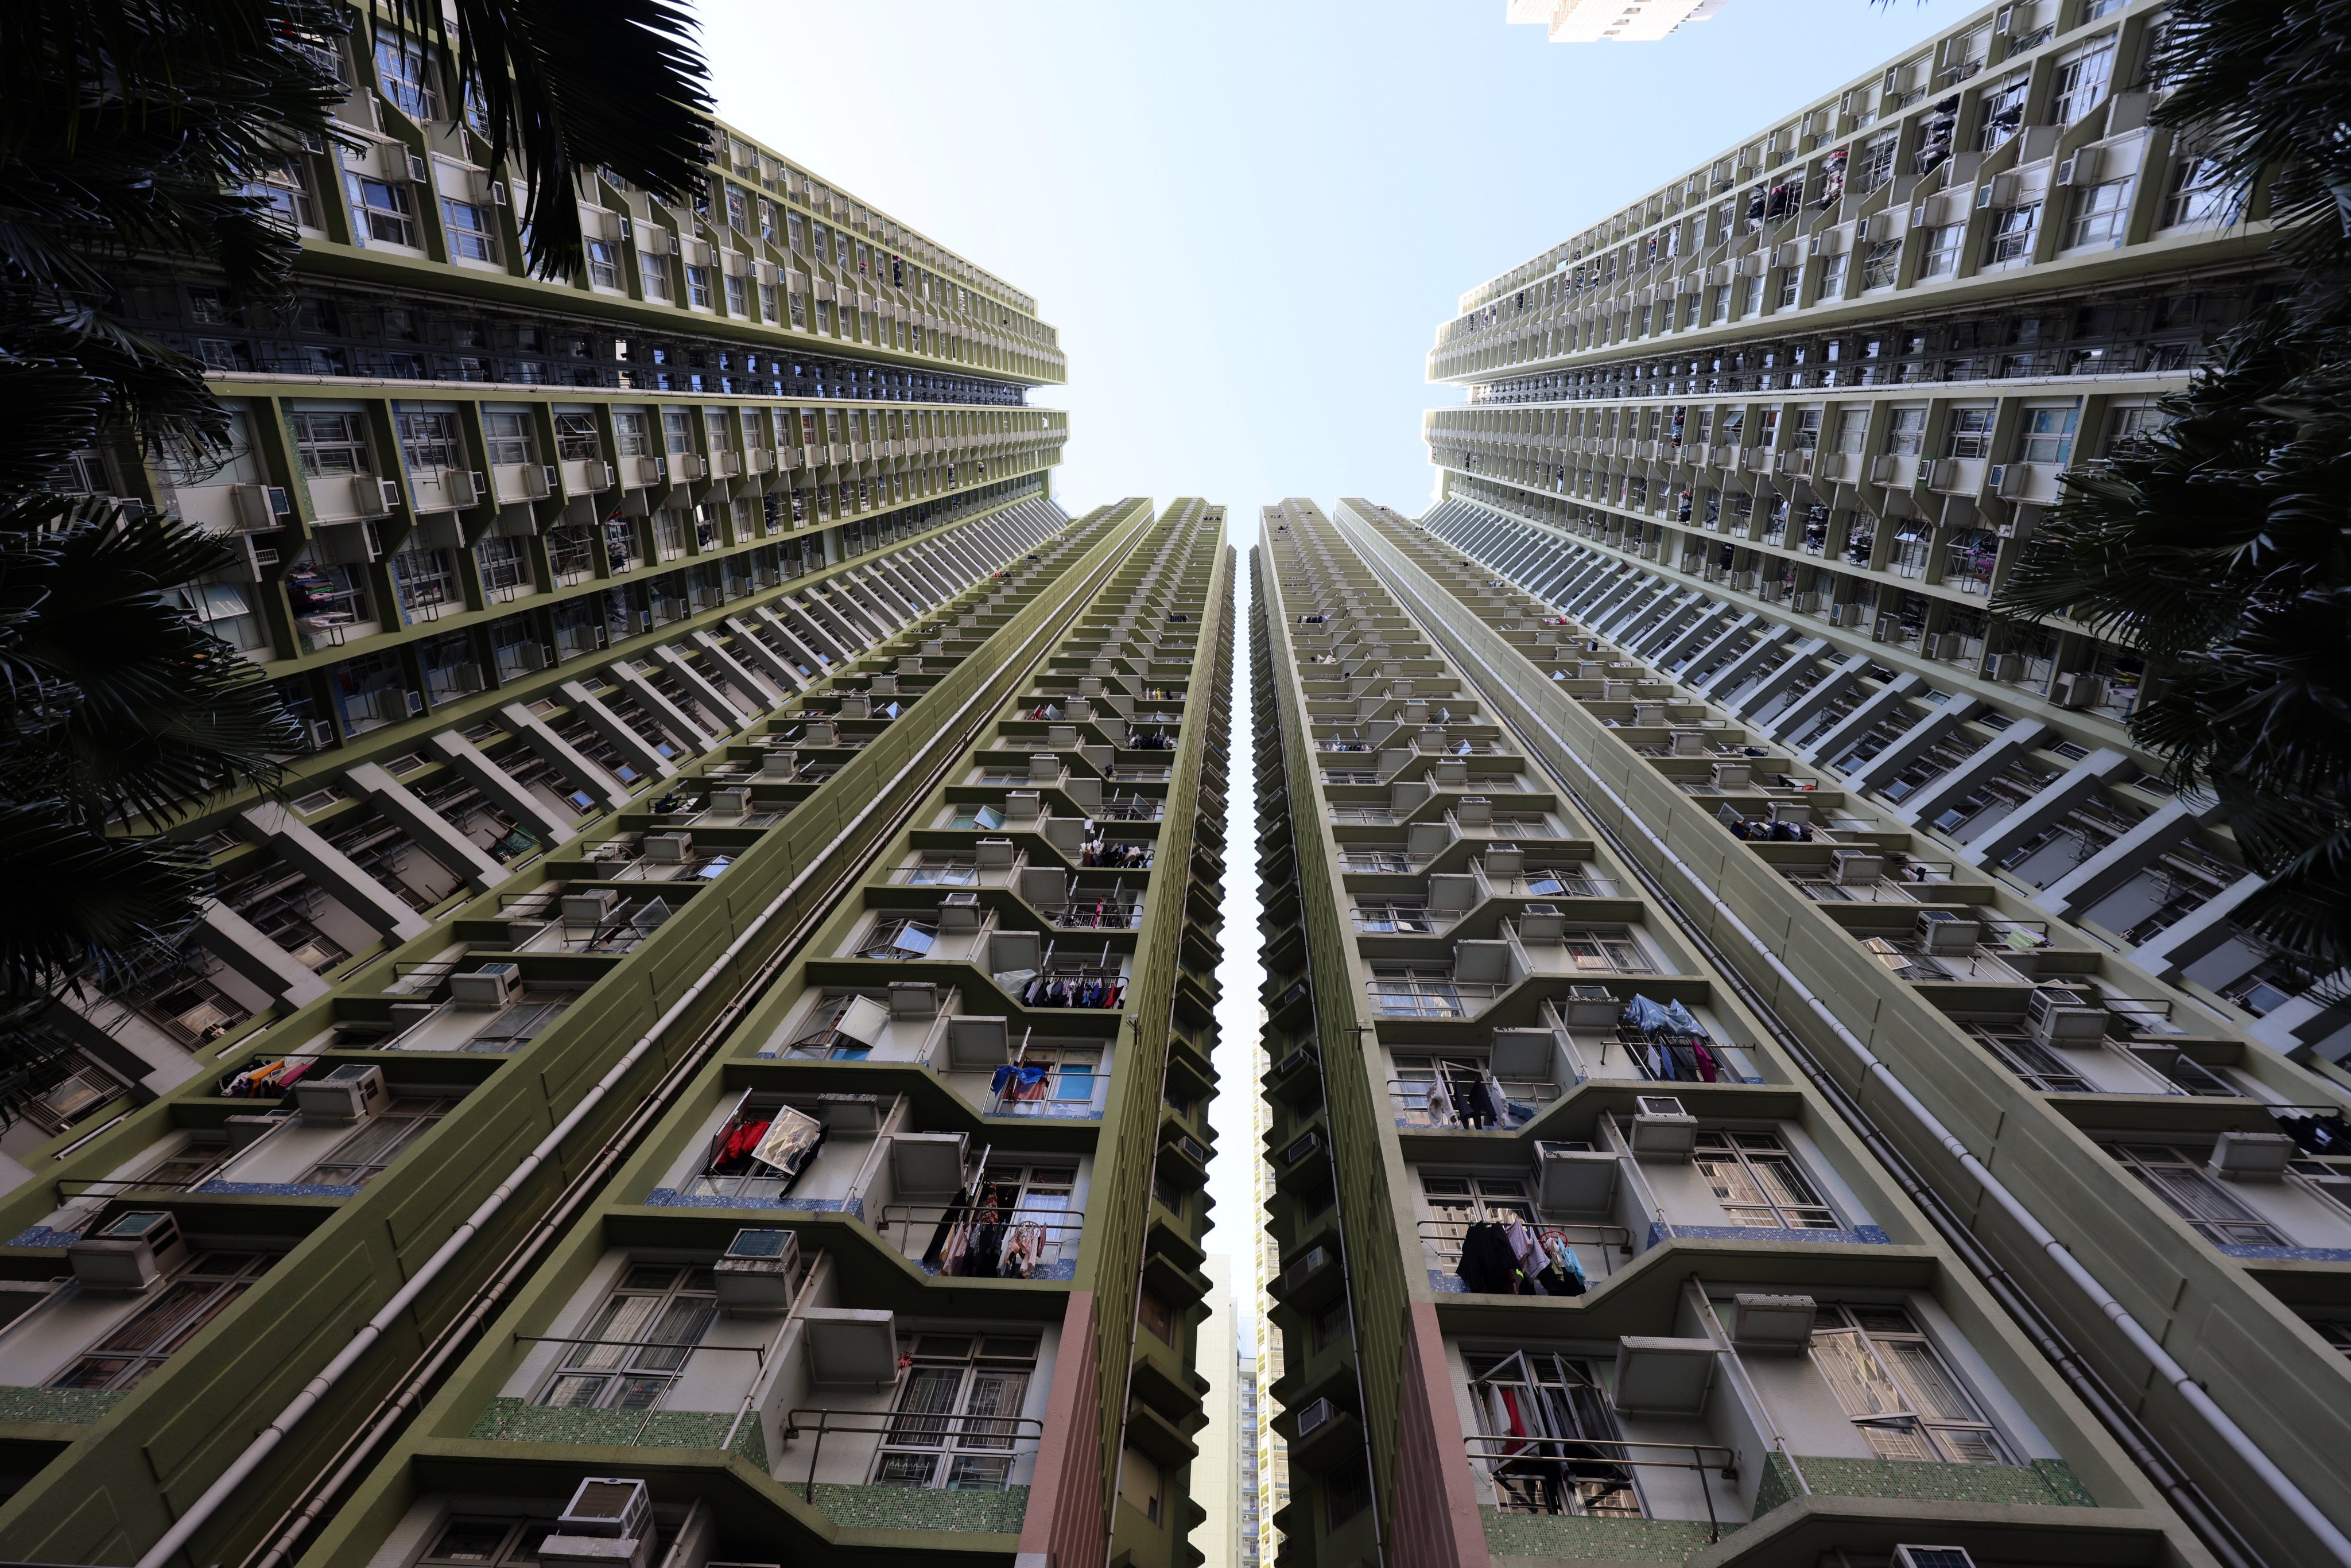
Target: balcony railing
column 986, row 1436
column 1552, row 1462
column 1431, row 999
column 1048, row 1251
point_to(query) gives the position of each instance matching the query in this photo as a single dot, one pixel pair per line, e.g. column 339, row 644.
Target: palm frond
column 569, row 87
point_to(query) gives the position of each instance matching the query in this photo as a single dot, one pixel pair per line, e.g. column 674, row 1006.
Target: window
column 1758, row 1183
column 1535, row 1407
column 361, row 1157
column 473, row 232
column 286, row 194
column 576, row 438
column 1876, row 164
column 653, row 271
column 604, row 263
column 1881, row 263
column 2080, row 84
column 638, row 1341
column 1897, row 1391
column 677, row 432
column 2200, row 192
column 1832, row 277
column 697, row 288
column 510, row 436
column 2003, row 111
column 1970, row 431
column 503, row 565
column 383, row 211
column 2132, row 421
column 194, row 1296
column 1940, row 258
column 2008, row 237
column 329, row 444
column 629, row 430
column 403, row 72
column 2047, row 436
column 768, row 302
column 1606, row 952
column 429, row 442
column 2177, row 1176
column 488, row 1543
column 900, row 939
column 2100, row 212
column 1905, row 431
column 1158, row 1317
column 1346, row 1492
column 957, row 1417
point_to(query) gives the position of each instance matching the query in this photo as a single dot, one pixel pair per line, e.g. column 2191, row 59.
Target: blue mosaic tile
column 2293, row 1254
column 1451, row 1284
column 42, row 1236
column 1860, row 1236
column 281, row 1189
column 511, row 1420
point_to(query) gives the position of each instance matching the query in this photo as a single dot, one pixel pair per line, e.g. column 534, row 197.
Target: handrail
column 895, row 1420
column 1729, row 1468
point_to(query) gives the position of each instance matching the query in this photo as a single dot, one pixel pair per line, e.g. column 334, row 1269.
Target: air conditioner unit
column 420, row 170
column 1733, row 774
column 2055, row 1015
column 129, row 1252
column 1939, row 931
column 1572, row 1177
column 1886, row 630
column 759, row 1271
column 321, row 734
column 1906, row 1556
column 2008, row 667
column 734, row 800
column 959, row 912
column 1849, row 867
column 352, row 1092
column 1759, row 1322
column 499, row 193
column 491, row 985
column 2251, row 1157
column 2079, row 688
column 1661, row 1128
column 608, row 1523
column 550, row 479
column 1321, row 1413
column 2081, row 168
column 595, row 907
column 668, row 849
column 1999, row 191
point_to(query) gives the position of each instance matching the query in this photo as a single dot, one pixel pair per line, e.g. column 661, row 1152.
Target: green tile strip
column 2049, row 1482
column 1616, row 1540
column 510, row 1420
column 923, row 1508
column 71, row 1406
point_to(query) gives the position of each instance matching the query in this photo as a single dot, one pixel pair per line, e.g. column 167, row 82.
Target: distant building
column 1614, row 21
column 1217, row 1473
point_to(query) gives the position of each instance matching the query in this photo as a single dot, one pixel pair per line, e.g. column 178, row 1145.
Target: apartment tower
column 706, row 1056
column 1686, row 892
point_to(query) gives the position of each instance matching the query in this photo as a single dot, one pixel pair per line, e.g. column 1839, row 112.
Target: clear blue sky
column 1247, row 219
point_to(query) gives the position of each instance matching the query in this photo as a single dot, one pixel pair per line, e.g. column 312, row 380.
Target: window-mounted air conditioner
column 759, row 1271
column 1661, row 1128
column 1590, row 1007
column 1759, row 1322
column 1851, row 867
column 734, row 800
column 593, row 908
column 1939, row 931
column 2081, row 168
column 668, row 849
column 2079, row 688
column 129, row 1252
column 1906, row 1556
column 1319, row 1414
column 1733, row 774
column 2055, row 1015
column 351, row 1092
column 2251, row 1157
column 491, row 985
column 609, row 1522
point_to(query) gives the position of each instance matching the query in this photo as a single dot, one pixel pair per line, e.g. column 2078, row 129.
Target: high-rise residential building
column 1248, row 1553
column 1818, row 393
column 1612, row 1048
column 1611, row 21
column 707, row 1056
column 1684, row 899
column 806, row 1157
column 517, row 550
column 1272, row 1450
column 1215, row 1474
